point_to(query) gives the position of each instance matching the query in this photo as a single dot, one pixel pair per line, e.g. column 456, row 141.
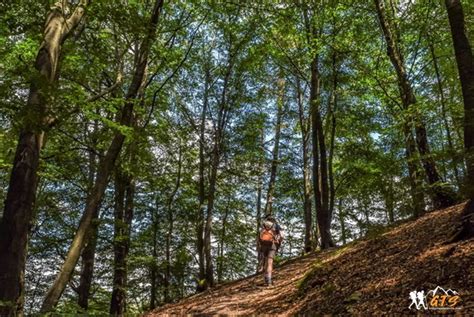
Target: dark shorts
column 268, row 250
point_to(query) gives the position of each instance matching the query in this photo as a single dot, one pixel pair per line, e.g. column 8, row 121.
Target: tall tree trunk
column 314, row 95
column 210, row 208
column 154, row 265
column 465, row 63
column 117, row 303
column 219, row 133
column 332, row 135
column 87, row 269
column 220, row 263
column 389, row 200
column 106, row 165
column 320, row 171
column 125, row 191
column 169, row 235
column 325, row 215
column 201, row 184
column 276, row 147
column 260, row 174
column 305, row 138
column 88, row 254
column 320, row 164
column 340, row 215
column 440, row 196
column 18, row 212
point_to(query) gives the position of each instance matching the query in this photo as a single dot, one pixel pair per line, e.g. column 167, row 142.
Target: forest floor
column 368, row 277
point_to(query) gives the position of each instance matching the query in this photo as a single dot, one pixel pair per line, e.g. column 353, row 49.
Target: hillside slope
column 373, row 276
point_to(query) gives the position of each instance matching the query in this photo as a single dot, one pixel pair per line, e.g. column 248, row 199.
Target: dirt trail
column 370, row 277
column 243, row 297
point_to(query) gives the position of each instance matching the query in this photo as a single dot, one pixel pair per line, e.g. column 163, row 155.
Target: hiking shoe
column 268, row 282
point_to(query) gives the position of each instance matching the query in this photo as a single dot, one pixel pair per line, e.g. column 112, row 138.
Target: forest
column 143, row 141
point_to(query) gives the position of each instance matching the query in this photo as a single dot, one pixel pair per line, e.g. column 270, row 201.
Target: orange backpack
column 266, row 235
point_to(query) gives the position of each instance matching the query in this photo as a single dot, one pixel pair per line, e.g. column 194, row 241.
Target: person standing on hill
column 270, row 239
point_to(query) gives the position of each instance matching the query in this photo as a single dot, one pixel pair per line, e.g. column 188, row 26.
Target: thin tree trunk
column 18, row 211
column 220, row 263
column 320, row 171
column 259, row 201
column 314, row 95
column 441, row 197
column 169, row 235
column 88, row 254
column 332, row 136
column 87, row 269
column 388, row 197
column 216, row 153
column 117, row 303
column 201, row 184
column 167, row 279
column 154, row 266
column 210, row 208
column 305, row 128
column 105, row 168
column 125, row 191
column 325, row 215
column 340, row 215
column 276, row 146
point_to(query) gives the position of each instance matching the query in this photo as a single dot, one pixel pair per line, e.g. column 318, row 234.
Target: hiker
column 269, row 241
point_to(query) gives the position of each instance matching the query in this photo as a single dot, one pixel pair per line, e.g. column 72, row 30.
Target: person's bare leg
column 264, row 268
column 268, row 270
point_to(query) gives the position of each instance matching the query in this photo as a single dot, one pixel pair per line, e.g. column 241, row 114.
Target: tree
column 319, row 152
column 465, row 63
column 37, row 119
column 440, row 196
